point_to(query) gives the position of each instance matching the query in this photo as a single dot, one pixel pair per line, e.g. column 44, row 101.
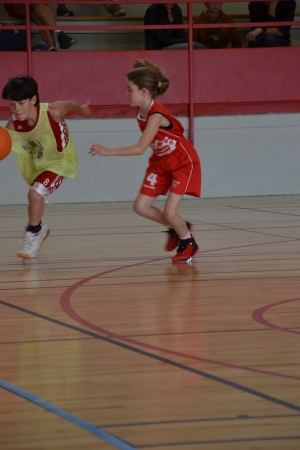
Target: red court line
column 65, row 302
column 258, row 316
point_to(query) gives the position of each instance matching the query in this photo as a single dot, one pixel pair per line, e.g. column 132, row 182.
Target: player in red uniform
column 174, row 166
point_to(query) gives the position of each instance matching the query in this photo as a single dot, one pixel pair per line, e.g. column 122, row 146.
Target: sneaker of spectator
column 115, row 10
column 41, row 14
column 62, row 10
column 65, row 41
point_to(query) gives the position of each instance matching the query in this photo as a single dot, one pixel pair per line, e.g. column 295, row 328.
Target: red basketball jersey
column 175, row 164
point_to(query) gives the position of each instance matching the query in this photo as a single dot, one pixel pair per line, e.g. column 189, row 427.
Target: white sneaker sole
column 25, row 255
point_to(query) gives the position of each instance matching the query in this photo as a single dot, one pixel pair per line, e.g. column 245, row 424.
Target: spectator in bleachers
column 114, row 10
column 63, row 11
column 270, row 36
column 168, row 39
column 41, row 14
column 12, row 40
column 216, row 37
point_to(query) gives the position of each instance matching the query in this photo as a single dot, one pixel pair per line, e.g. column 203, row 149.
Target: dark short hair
column 20, row 88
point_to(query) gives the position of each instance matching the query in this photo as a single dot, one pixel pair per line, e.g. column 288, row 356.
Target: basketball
column 5, row 143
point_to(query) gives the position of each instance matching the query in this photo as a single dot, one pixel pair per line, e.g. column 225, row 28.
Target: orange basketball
column 5, row 143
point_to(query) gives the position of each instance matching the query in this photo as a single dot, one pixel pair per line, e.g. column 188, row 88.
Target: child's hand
column 85, row 109
column 98, row 149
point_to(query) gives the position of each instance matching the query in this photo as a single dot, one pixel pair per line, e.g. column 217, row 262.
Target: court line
column 118, row 443
column 245, row 330
column 208, row 419
column 258, row 316
column 158, row 358
column 47, row 340
column 206, row 253
column 227, row 227
column 65, row 302
column 223, row 381
column 222, row 441
column 261, row 210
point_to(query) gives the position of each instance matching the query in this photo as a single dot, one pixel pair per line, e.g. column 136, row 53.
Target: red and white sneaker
column 187, row 248
column 173, row 238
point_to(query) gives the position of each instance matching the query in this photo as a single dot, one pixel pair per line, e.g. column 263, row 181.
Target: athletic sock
column 34, row 228
column 187, row 236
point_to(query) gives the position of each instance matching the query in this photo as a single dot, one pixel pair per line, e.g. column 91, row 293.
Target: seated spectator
column 168, row 39
column 63, row 11
column 216, row 37
column 41, row 14
column 114, row 10
column 269, row 36
column 12, row 40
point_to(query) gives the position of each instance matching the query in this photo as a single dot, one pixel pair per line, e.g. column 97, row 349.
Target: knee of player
column 34, row 197
column 170, row 215
column 139, row 208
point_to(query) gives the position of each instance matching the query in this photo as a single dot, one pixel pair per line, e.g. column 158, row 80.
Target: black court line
column 46, row 340
column 208, row 419
column 199, row 271
column 246, row 230
column 202, row 280
column 134, row 276
column 223, row 253
column 245, row 330
column 222, row 441
column 169, row 362
column 264, row 211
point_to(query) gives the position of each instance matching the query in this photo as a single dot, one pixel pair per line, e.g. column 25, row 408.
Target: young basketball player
column 174, row 166
column 45, row 151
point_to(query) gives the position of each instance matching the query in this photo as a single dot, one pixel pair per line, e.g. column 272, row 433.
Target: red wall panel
column 225, row 81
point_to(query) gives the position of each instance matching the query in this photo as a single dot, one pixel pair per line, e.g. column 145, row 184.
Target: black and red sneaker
column 187, row 248
column 173, row 238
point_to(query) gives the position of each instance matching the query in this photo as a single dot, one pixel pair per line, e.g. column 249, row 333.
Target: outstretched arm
column 60, row 108
column 153, row 124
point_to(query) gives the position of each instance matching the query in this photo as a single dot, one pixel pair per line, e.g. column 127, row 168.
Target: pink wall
column 228, row 81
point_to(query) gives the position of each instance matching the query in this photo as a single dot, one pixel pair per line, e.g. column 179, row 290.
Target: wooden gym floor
column 105, row 344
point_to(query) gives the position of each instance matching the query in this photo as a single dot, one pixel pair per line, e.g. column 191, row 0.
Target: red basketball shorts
column 46, row 183
column 178, row 172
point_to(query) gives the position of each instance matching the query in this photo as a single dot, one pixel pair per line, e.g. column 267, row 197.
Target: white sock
column 185, row 237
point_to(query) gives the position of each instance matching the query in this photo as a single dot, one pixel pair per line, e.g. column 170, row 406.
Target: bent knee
column 170, row 216
column 138, row 208
column 34, row 197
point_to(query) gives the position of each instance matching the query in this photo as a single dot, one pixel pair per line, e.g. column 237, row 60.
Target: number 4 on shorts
column 152, row 178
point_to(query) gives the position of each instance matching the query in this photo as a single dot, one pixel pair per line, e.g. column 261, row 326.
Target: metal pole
column 28, row 39
column 191, row 73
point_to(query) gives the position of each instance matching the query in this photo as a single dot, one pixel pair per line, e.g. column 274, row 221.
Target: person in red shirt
column 174, row 167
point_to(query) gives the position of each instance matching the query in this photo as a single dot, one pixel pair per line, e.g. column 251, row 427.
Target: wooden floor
column 105, row 344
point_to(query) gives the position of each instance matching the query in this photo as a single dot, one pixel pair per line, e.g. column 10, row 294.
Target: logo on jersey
column 164, row 146
column 34, row 148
